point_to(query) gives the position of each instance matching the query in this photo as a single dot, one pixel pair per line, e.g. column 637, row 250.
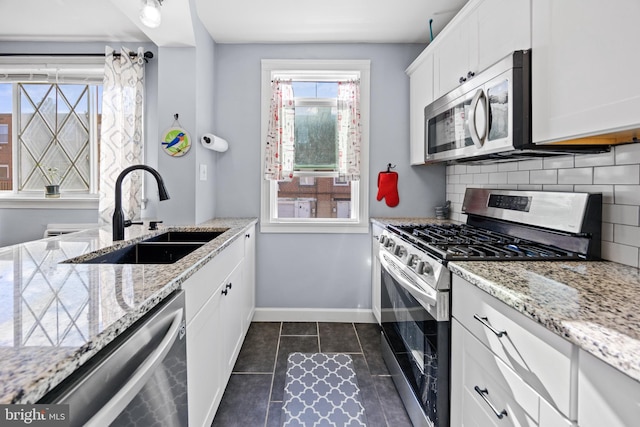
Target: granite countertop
column 55, row 316
column 593, row 304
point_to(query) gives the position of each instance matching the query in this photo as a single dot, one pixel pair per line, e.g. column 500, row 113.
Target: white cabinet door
column 205, row 376
column 249, row 277
column 606, row 396
column 231, row 315
column 420, row 95
column 503, row 26
column 452, row 56
column 375, row 271
column 585, row 68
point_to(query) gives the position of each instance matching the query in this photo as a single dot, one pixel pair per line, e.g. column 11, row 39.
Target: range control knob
column 389, row 243
column 383, row 239
column 424, row 268
column 400, row 251
column 411, row 260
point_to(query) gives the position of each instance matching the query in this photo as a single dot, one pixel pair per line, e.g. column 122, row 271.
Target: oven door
column 415, row 344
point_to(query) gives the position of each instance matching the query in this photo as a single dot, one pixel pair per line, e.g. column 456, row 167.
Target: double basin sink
column 165, row 248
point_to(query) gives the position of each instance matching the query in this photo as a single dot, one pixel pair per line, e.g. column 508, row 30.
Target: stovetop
column 466, row 242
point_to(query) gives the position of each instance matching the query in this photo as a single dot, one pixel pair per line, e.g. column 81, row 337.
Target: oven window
column 420, row 345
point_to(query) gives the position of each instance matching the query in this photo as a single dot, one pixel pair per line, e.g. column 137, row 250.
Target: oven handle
column 394, row 269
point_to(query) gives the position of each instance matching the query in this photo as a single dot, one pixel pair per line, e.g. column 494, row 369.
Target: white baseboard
column 347, row 315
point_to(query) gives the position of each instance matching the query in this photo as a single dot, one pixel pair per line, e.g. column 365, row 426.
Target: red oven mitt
column 388, row 188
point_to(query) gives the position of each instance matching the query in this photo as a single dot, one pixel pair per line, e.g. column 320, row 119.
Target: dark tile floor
column 254, row 394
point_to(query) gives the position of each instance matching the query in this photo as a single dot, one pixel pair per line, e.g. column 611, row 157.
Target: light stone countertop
column 54, row 316
column 593, row 304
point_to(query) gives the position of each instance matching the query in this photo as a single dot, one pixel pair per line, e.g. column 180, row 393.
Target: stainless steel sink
column 146, row 253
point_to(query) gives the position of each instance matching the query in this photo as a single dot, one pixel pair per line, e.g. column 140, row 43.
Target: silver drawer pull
column 484, row 321
column 483, row 393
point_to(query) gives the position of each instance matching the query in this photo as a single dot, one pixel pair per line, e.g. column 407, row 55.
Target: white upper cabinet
column 585, row 68
column 420, row 95
column 483, row 33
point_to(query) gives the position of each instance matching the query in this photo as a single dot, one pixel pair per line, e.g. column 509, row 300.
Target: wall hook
column 389, row 167
column 175, row 116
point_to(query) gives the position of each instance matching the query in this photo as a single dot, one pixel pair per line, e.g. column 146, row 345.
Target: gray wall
column 312, row 270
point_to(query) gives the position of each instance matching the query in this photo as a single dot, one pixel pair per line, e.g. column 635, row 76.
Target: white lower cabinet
column 219, row 307
column 505, row 369
column 376, row 271
column 606, row 396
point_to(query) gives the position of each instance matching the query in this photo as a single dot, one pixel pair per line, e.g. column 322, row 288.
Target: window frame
column 52, row 70
column 316, row 70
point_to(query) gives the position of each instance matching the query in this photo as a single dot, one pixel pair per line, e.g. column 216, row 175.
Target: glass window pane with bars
column 322, row 199
column 56, row 124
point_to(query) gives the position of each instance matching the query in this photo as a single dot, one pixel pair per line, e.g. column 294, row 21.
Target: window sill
column 315, row 227
column 38, row 201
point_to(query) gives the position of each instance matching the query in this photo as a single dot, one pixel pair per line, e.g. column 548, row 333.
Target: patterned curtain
column 280, row 152
column 349, row 131
column 121, row 142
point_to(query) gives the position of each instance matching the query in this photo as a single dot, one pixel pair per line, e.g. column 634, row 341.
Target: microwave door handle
column 476, row 136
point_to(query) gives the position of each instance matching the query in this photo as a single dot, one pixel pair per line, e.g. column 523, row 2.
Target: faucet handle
column 153, row 225
column 129, row 223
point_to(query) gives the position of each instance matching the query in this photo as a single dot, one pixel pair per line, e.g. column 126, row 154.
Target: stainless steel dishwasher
column 140, row 379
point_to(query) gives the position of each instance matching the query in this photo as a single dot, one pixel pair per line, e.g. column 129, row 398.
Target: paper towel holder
column 215, row 143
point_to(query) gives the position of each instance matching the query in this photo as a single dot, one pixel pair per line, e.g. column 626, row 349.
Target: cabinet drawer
column 542, row 359
column 204, row 282
column 502, row 387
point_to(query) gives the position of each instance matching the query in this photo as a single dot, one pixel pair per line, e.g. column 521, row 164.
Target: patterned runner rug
column 321, row 390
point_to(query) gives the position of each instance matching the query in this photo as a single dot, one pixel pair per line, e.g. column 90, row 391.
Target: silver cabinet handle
column 483, row 320
column 125, row 395
column 483, row 393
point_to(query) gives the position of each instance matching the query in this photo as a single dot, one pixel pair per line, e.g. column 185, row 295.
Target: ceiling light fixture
column 150, row 14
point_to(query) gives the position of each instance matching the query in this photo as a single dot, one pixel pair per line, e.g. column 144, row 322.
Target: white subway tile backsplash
column 623, row 254
column 606, row 190
column 627, row 154
column 621, row 214
column 626, row 234
column 601, row 159
column 547, row 176
column 474, row 168
column 530, row 187
column 453, row 179
column 607, row 231
column 518, row 177
column 555, row 187
column 480, row 178
column 489, row 168
column 507, row 166
column 526, row 165
column 466, row 178
column 626, row 174
column 575, row 176
column 498, row 178
column 627, row 194
column 562, row 162
column 459, row 169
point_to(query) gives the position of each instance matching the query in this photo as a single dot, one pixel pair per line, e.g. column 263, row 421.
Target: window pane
column 6, row 149
column 324, row 199
column 315, row 133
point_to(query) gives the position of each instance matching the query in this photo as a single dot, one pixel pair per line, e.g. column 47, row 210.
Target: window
column 315, row 197
column 49, row 124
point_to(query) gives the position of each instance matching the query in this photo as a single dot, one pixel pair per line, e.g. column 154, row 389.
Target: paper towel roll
column 215, row 143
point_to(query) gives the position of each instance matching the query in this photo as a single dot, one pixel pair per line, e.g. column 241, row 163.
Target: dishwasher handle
column 121, row 399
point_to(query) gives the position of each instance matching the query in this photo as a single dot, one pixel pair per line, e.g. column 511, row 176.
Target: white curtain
column 279, row 151
column 121, row 142
column 349, row 130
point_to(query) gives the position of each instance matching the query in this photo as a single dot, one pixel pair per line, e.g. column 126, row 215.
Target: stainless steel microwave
column 488, row 118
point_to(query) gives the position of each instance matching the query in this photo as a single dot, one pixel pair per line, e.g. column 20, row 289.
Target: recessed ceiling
column 229, row 21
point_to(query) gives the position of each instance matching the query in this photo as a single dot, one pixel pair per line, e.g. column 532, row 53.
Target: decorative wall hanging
column 176, row 140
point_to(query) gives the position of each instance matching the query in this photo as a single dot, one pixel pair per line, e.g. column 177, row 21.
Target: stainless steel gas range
column 502, row 225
